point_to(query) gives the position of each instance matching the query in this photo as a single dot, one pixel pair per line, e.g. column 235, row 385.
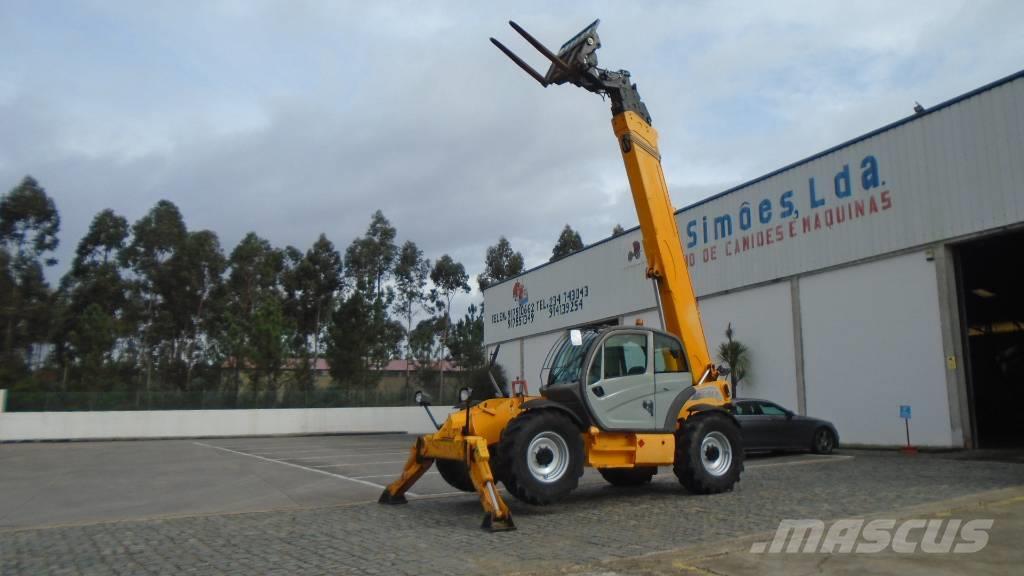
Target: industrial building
column 880, row 273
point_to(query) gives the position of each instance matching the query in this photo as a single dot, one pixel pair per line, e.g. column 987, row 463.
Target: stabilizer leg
column 415, row 467
column 497, row 516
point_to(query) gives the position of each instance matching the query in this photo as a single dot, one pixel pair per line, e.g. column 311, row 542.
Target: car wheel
column 541, row 456
column 709, row 454
column 824, row 441
column 628, row 476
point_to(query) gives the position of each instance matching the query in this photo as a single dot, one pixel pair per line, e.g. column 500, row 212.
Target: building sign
column 580, row 289
column 523, row 312
column 769, row 221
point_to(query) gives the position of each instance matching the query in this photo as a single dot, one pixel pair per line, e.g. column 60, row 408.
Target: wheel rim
column 824, row 441
column 716, row 453
column 548, row 457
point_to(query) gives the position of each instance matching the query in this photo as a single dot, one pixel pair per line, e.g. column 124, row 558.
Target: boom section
column 666, row 262
column 576, row 63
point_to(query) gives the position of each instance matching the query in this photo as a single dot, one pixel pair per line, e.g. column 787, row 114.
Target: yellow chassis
column 470, row 444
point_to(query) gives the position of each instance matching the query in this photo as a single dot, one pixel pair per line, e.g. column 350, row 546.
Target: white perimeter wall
column 761, row 318
column 872, row 341
column 197, row 423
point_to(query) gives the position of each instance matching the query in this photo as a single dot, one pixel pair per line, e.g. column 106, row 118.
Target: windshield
column 568, row 361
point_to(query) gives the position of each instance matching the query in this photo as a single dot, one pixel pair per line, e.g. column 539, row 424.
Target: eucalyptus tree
column 569, row 241
column 348, row 349
column 29, row 223
column 369, row 260
column 90, row 302
column 411, row 273
column 449, row 278
column 252, row 297
column 189, row 291
column 155, row 238
column 312, row 283
column 500, row 264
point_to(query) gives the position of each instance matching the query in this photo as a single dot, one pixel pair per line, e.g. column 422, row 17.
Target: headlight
column 707, row 392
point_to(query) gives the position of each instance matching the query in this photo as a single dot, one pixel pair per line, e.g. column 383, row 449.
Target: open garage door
column 991, row 291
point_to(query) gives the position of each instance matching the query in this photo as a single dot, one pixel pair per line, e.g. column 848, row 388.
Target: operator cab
column 621, row 378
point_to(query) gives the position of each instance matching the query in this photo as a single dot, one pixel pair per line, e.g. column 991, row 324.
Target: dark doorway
column 991, row 286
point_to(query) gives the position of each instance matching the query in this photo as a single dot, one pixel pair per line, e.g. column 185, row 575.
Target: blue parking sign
column 905, row 411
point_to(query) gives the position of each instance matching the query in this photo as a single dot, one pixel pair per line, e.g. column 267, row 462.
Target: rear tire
column 709, row 454
column 541, row 455
column 628, row 476
column 456, row 474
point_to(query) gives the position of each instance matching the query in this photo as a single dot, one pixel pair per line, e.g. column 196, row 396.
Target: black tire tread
column 516, row 478
column 814, row 441
column 628, row 476
column 687, row 466
column 456, row 474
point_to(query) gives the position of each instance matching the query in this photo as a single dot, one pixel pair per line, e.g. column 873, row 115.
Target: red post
column 908, row 449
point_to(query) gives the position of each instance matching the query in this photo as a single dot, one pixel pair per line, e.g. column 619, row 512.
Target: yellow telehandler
column 624, row 400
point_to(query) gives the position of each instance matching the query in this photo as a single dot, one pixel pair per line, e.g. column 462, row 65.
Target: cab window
column 595, row 370
column 625, row 355
column 568, row 362
column 668, row 355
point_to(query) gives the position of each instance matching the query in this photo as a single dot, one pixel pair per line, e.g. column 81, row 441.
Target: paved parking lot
column 306, row 505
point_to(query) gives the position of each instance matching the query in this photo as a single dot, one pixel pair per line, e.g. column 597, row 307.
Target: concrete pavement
column 1002, row 555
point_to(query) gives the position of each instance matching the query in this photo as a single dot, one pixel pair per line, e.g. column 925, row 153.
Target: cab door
column 671, row 378
column 620, row 382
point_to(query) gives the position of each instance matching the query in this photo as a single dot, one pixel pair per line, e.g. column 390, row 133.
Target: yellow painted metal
column 666, row 261
column 628, row 449
column 655, row 449
column 487, row 419
column 455, row 441
column 715, row 394
column 415, row 467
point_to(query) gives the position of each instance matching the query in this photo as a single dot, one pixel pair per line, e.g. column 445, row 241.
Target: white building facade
column 848, row 276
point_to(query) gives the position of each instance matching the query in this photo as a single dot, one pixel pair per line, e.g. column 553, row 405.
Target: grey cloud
column 295, row 119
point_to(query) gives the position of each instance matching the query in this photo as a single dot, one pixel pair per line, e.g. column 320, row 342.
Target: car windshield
column 568, row 361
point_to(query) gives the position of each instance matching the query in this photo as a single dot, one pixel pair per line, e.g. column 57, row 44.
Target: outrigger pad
column 387, row 498
column 497, row 525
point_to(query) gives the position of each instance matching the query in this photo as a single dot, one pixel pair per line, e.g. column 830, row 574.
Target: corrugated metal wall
column 861, row 339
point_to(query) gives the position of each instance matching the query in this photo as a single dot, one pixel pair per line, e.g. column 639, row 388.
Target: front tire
column 628, row 476
column 709, row 454
column 542, row 456
column 824, row 441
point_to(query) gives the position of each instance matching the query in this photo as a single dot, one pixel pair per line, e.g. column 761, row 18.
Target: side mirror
column 723, row 371
column 789, row 415
column 422, row 398
column 464, row 394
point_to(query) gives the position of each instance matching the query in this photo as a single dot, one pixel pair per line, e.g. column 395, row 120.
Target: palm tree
column 737, row 356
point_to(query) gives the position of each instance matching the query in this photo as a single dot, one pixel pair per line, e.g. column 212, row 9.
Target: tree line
column 154, row 307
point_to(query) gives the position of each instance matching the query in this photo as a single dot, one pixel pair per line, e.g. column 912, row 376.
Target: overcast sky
column 292, row 118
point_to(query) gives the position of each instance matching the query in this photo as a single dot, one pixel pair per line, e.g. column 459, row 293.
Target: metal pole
column 3, row 400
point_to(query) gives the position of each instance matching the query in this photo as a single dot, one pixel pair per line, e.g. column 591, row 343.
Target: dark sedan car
column 767, row 426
